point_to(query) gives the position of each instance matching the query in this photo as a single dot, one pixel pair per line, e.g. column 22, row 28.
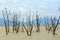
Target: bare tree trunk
column 22, row 29
column 18, row 24
column 18, row 28
column 38, row 28
column 8, row 22
column 13, row 24
column 29, row 26
column 5, row 23
column 54, row 28
column 47, row 25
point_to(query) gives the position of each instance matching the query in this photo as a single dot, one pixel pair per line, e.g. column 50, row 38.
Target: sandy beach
column 42, row 35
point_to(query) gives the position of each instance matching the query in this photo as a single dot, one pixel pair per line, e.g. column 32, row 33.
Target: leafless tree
column 6, row 21
column 29, row 26
column 18, row 23
column 15, row 23
column 38, row 23
column 55, row 23
column 23, row 26
column 47, row 25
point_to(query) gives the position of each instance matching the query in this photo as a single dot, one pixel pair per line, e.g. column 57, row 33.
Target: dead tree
column 47, row 25
column 38, row 23
column 18, row 23
column 15, row 23
column 29, row 26
column 18, row 27
column 55, row 23
column 6, row 21
column 23, row 26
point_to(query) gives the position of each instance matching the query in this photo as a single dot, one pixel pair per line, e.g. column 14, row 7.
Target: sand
column 42, row 35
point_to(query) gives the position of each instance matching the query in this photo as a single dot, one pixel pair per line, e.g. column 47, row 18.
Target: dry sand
column 42, row 35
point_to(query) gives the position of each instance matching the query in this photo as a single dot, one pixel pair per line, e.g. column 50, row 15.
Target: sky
column 44, row 7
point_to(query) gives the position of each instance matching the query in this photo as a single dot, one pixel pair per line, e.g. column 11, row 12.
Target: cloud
column 15, row 1
column 22, row 9
column 51, row 0
column 42, row 5
column 2, row 1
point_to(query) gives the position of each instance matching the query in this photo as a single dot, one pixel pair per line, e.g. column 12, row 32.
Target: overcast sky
column 45, row 7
